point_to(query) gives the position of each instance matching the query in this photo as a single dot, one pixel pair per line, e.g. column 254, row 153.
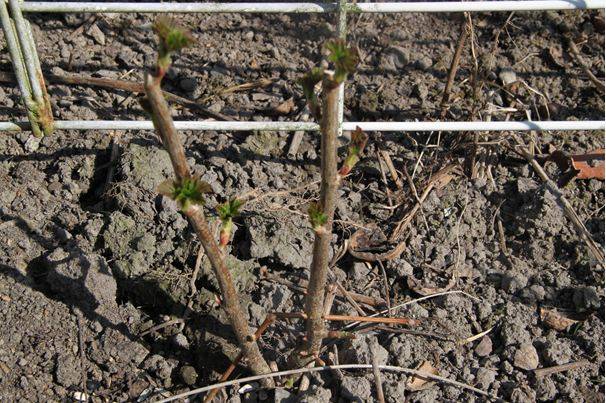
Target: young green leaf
column 317, row 218
column 355, row 148
column 185, row 192
column 308, row 82
column 344, row 59
column 171, row 38
column 229, row 209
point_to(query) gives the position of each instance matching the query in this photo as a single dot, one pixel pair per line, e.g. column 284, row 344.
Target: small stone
column 359, row 271
column 508, row 76
column 96, row 34
column 180, row 341
column 360, row 351
column 22, row 362
column 402, row 267
column 282, row 395
column 395, row 58
column 485, row 377
column 188, row 375
column 424, row 63
column 63, row 234
column 249, row 35
column 356, row 389
column 106, row 73
column 484, row 347
column 557, row 353
column 64, row 52
column 421, row 91
column 534, row 293
column 259, row 96
column 586, row 298
column 526, row 357
column 188, row 84
column 513, row 282
column 32, row 144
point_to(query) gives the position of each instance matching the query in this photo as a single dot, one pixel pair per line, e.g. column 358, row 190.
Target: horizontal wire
column 493, row 126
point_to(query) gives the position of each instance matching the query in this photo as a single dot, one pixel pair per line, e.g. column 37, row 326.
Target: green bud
column 185, row 192
column 344, row 59
column 317, row 218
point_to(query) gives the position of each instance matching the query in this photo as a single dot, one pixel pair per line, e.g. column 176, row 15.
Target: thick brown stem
column 164, row 126
column 454, row 66
column 314, row 302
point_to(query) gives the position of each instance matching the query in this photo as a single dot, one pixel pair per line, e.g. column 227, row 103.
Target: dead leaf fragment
column 370, row 244
column 417, row 383
column 424, row 291
column 285, row 107
column 580, row 166
column 590, row 165
column 555, row 320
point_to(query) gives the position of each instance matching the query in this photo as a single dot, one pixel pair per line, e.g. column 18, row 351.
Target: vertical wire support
column 19, row 68
column 32, row 66
column 342, row 33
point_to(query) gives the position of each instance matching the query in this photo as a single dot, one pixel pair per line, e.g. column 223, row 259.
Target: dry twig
column 560, row 368
column 454, row 66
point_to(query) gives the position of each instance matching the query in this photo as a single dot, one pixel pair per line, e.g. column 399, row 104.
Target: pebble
column 526, row 357
column 484, row 347
column 395, row 57
column 485, row 377
column 188, row 375
column 421, row 91
column 586, row 298
column 513, row 282
column 282, row 395
column 188, row 84
column 508, row 76
column 249, row 35
column 32, row 144
column 180, row 341
column 424, row 63
column 96, row 34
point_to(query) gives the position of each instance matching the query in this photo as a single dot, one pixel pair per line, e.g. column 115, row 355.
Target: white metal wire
column 308, row 7
column 309, row 126
column 341, row 7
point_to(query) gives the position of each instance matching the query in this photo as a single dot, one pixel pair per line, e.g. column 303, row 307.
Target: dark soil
column 91, row 260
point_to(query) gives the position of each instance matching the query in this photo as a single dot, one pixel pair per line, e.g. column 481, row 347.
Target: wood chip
column 285, row 107
column 590, row 165
column 555, row 320
column 416, row 383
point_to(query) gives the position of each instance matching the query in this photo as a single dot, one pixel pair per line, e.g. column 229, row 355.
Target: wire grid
column 29, row 76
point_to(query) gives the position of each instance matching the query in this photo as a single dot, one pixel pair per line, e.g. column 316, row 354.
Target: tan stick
column 170, row 139
column 314, row 303
column 122, row 85
column 454, row 66
column 349, row 318
column 560, row 368
column 341, row 291
column 377, row 375
column 386, row 287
